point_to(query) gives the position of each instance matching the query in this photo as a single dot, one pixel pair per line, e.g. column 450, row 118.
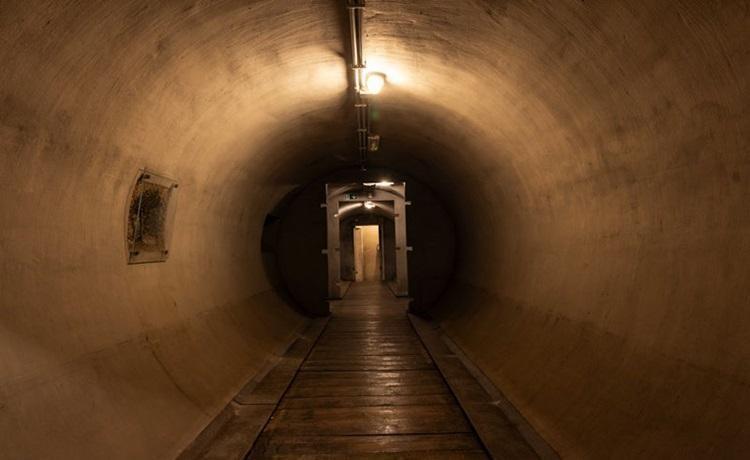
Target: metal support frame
column 336, row 194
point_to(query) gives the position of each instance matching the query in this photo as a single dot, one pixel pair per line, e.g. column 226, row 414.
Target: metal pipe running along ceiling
column 361, row 104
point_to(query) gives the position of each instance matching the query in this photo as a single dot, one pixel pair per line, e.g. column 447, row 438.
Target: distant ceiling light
column 382, row 183
column 374, row 82
column 346, row 208
column 369, row 204
column 397, row 74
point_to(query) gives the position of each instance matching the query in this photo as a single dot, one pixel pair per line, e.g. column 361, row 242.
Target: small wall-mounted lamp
column 374, row 83
column 382, row 183
column 373, row 142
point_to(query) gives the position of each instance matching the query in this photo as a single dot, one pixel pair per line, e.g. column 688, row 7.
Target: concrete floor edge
column 430, row 332
column 212, row 437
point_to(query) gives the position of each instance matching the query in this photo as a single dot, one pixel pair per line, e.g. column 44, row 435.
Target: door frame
column 342, row 199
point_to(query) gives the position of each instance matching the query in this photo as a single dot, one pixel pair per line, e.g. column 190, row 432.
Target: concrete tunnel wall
column 594, row 156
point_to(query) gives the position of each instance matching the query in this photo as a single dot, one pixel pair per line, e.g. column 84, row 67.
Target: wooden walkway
column 368, row 388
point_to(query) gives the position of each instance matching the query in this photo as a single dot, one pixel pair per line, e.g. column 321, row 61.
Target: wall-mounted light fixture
column 369, row 205
column 150, row 213
column 365, row 83
column 374, row 83
column 382, row 183
column 373, row 142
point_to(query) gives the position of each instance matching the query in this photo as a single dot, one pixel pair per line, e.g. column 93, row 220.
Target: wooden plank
column 396, row 327
column 432, row 455
column 367, row 383
column 446, row 418
column 340, row 391
column 368, row 401
column 343, row 343
column 362, row 445
column 367, row 324
column 365, row 349
column 368, row 362
column 355, row 337
column 367, row 378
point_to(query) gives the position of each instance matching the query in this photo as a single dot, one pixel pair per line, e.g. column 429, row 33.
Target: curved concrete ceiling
column 594, row 155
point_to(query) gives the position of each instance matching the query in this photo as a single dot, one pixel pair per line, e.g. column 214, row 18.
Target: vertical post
column 402, row 274
column 381, row 246
column 333, row 243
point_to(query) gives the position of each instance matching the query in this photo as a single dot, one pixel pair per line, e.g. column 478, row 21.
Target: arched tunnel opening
column 294, row 240
column 579, row 218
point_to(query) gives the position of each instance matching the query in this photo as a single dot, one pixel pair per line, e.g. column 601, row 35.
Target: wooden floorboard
column 368, row 389
column 421, row 399
column 364, row 445
column 367, row 383
column 443, row 418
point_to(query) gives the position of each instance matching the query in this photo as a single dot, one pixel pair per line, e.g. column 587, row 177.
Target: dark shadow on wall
column 273, row 252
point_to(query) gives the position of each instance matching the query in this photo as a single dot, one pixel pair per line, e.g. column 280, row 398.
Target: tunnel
column 584, row 165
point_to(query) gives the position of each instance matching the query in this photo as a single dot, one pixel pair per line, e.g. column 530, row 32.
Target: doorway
column 380, row 201
column 367, row 253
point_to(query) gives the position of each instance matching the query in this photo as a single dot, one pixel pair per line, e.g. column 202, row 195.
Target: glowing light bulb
column 369, row 204
column 374, row 82
column 382, row 183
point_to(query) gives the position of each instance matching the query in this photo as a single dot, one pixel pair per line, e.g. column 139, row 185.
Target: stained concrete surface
column 593, row 156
